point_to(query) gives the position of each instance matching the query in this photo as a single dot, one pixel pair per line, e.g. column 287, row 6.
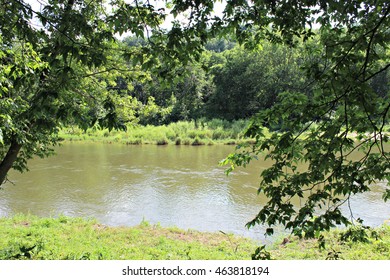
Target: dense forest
column 228, row 82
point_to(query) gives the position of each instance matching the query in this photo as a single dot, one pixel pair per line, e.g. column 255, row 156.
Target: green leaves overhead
column 332, row 145
column 58, row 65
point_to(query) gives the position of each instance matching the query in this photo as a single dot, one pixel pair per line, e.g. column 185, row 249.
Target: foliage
column 176, row 99
column 219, row 45
column 230, row 84
column 202, row 132
column 61, row 64
column 261, row 254
column 249, row 82
column 376, row 246
column 356, row 233
column 311, row 152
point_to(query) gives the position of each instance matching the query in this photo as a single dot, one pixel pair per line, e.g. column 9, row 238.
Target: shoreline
column 31, row 237
column 179, row 133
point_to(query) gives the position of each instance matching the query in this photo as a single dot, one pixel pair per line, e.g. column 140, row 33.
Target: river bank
column 64, row 238
column 179, row 133
column 201, row 132
column 30, row 237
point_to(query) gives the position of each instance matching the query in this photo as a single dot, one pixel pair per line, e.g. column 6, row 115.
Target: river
column 171, row 185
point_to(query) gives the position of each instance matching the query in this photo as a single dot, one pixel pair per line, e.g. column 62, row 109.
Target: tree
column 346, row 115
column 219, row 45
column 250, row 81
column 60, row 65
column 178, row 97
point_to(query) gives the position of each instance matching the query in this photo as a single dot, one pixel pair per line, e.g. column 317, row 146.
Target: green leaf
column 386, row 195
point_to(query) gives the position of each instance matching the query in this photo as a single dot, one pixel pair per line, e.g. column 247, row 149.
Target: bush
column 162, row 141
column 186, row 141
column 219, row 134
column 134, row 141
column 197, row 142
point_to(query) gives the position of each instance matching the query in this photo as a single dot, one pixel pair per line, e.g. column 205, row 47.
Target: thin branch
column 376, row 73
column 350, row 208
column 382, row 127
column 144, row 22
column 368, row 49
column 105, row 71
column 40, row 15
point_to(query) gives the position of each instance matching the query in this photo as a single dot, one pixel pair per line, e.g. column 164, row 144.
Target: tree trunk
column 9, row 160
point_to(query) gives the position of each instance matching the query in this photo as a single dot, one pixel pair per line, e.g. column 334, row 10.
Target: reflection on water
column 172, row 185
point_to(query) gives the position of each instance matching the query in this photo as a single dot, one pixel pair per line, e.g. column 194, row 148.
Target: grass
column 64, row 238
column 374, row 246
column 201, row 132
column 179, row 133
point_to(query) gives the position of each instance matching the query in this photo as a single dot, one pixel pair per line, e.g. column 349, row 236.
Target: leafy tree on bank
column 60, row 65
column 45, row 60
column 250, row 81
column 229, row 84
column 346, row 115
column 180, row 97
column 219, row 45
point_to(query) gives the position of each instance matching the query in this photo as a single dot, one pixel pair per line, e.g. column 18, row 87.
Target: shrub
column 162, row 141
column 186, row 141
column 219, row 133
column 197, row 142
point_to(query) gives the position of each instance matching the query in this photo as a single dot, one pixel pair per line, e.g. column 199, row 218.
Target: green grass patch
column 63, row 238
column 201, row 132
column 362, row 244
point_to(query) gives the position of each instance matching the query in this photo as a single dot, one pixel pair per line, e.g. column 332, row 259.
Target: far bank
column 179, row 133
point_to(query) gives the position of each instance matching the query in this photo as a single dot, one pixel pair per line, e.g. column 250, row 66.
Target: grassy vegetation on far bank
column 180, row 133
column 30, row 237
column 201, row 132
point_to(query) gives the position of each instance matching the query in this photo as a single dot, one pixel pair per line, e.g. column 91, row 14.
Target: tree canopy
column 345, row 117
column 63, row 64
